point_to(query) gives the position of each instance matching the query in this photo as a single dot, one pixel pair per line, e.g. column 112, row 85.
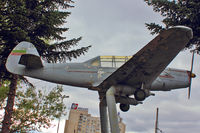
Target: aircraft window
column 113, row 61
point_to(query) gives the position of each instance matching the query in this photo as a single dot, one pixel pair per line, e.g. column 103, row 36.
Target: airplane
column 127, row 80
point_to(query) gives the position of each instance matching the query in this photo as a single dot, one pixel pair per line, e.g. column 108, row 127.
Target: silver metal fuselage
column 87, row 76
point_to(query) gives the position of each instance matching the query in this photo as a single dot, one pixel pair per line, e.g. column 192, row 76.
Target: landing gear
column 140, row 95
column 103, row 116
column 124, row 107
column 108, row 103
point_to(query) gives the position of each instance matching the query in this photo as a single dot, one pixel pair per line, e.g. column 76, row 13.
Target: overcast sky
column 117, row 27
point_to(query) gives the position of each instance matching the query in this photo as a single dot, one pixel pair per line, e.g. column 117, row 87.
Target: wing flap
column 151, row 60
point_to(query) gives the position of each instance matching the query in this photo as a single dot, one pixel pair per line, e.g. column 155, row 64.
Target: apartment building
column 80, row 121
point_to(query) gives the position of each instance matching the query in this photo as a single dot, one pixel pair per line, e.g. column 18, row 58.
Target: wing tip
column 186, row 29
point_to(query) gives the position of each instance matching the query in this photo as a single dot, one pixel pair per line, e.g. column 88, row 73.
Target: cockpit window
column 109, row 61
column 113, row 61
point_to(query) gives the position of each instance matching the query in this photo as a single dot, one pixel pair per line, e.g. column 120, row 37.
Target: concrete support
column 112, row 110
column 103, row 116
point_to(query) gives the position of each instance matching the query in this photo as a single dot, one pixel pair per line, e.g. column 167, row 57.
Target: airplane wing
column 145, row 66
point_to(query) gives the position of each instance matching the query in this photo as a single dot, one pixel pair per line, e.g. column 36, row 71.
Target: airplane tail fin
column 24, row 55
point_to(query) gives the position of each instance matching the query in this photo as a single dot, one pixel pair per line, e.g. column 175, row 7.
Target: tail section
column 24, row 55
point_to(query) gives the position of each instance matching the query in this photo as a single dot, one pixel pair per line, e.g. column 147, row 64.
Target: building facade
column 80, row 121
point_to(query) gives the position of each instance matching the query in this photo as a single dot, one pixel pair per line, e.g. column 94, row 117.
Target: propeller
column 192, row 75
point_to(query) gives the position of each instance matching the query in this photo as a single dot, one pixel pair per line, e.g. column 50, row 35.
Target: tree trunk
column 10, row 104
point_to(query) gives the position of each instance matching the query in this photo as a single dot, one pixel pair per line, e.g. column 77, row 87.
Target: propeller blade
column 191, row 70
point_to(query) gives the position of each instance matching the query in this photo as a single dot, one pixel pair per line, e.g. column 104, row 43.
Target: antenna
column 156, row 124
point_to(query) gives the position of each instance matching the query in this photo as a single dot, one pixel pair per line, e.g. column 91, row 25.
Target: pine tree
column 178, row 12
column 34, row 21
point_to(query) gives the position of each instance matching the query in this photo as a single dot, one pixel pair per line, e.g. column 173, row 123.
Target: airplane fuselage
column 84, row 75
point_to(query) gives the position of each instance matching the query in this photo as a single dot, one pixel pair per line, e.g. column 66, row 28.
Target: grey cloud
column 111, row 23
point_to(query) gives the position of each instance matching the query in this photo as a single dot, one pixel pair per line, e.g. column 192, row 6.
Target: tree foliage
column 4, row 89
column 35, row 109
column 36, row 21
column 178, row 12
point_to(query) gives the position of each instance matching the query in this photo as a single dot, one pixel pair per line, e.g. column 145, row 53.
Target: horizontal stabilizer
column 31, row 61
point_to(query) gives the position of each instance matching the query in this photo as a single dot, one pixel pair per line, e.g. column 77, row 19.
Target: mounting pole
column 156, row 124
column 103, row 116
column 112, row 110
